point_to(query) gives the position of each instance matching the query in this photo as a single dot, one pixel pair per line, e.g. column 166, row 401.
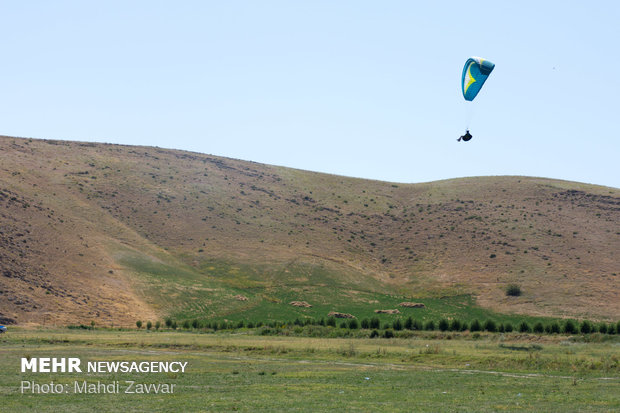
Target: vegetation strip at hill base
column 246, row 373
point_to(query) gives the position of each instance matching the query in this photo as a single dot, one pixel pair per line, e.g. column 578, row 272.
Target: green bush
column 569, row 327
column 602, row 328
column 555, row 328
column 417, row 325
column 365, row 323
column 430, row 325
column 149, row 325
column 186, row 324
column 475, row 326
column 353, row 324
column 409, row 323
column 490, row 326
column 331, row 321
column 513, row 290
column 508, row 328
column 195, row 323
column 139, row 324
column 585, row 327
column 375, row 323
column 157, row 325
column 388, row 334
column 455, row 325
column 524, row 327
column 374, row 334
column 443, row 325
column 539, row 328
column 168, row 322
column 397, row 325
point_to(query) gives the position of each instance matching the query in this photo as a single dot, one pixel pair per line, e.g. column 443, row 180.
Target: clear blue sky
column 358, row 88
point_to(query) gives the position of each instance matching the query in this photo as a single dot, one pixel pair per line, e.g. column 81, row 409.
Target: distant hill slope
column 114, row 233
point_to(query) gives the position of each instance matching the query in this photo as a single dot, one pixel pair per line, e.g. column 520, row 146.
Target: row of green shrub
column 555, row 327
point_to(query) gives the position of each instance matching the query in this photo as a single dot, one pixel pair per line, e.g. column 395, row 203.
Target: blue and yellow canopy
column 475, row 73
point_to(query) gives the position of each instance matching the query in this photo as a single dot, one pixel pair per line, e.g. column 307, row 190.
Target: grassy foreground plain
column 245, row 372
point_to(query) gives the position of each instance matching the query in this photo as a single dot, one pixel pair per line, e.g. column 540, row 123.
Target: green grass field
column 246, row 372
column 209, row 295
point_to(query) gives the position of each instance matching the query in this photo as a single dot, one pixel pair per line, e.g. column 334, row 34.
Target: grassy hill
column 111, row 234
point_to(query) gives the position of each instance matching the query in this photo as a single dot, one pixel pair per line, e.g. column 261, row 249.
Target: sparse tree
column 539, row 328
column 513, row 290
column 430, row 325
column 569, row 327
column 455, row 325
column 490, row 326
column 475, row 326
column 409, row 323
column 585, row 327
column 149, row 325
column 388, row 333
column 139, row 324
column 555, row 328
column 443, row 324
column 157, row 325
column 397, row 324
column 168, row 322
column 524, row 327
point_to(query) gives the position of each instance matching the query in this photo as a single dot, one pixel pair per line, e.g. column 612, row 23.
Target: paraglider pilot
column 465, row 137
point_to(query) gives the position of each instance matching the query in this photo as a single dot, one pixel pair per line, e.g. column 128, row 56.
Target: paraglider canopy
column 475, row 73
column 2, row 329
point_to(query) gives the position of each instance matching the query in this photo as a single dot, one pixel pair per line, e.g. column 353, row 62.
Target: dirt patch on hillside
column 412, row 305
column 340, row 315
column 395, row 311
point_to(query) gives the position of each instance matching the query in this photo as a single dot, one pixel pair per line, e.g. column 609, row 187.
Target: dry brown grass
column 67, row 209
